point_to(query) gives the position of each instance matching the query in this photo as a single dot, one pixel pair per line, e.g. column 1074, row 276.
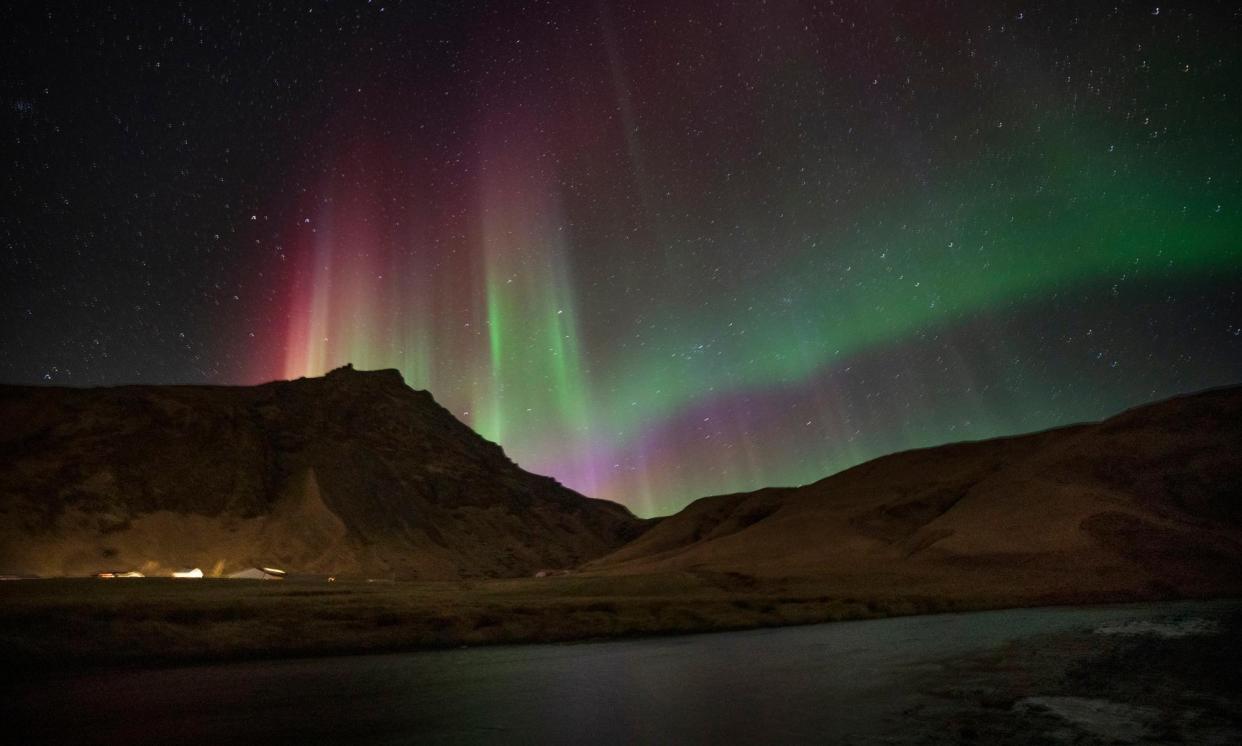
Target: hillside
column 1147, row 503
column 351, row 474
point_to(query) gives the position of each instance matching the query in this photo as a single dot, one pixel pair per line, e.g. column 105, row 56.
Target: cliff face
column 1147, row 503
column 352, row 473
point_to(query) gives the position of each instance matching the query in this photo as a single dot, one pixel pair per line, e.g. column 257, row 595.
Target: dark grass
column 76, row 623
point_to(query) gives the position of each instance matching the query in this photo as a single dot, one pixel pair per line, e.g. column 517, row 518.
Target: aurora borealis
column 656, row 250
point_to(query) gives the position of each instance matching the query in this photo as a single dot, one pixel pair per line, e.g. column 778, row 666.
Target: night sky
column 655, row 249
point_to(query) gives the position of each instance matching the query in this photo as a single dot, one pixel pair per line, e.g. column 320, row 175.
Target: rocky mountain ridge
column 351, row 473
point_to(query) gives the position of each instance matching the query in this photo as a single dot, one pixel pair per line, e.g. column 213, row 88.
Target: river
column 821, row 683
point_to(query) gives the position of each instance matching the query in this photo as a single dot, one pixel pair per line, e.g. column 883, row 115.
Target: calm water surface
column 823, row 683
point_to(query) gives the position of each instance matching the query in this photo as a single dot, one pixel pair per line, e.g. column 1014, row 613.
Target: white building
column 259, row 573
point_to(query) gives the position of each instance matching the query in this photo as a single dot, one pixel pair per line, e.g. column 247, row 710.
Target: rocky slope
column 353, row 473
column 1147, row 503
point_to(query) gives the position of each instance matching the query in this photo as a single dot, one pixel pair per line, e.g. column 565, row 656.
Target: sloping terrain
column 1147, row 503
column 353, row 473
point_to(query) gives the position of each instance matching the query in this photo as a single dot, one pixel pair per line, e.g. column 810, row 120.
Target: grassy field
column 69, row 623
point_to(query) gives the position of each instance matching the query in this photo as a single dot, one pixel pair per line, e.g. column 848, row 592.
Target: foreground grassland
column 71, row 623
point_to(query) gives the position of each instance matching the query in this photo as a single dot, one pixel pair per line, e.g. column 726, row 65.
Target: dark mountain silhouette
column 357, row 474
column 351, row 473
column 1148, row 503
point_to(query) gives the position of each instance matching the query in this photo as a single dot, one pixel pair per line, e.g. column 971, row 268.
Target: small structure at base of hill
column 192, row 573
column 118, row 574
column 259, row 573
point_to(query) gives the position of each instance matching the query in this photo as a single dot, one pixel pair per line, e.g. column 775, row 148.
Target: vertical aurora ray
column 412, row 316
column 306, row 343
column 537, row 390
column 338, row 314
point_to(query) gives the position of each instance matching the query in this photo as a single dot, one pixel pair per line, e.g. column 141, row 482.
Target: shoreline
column 76, row 625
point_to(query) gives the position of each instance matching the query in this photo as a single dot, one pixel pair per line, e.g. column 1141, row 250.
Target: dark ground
column 76, row 623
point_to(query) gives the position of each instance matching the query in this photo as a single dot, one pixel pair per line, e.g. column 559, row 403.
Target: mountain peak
column 348, row 373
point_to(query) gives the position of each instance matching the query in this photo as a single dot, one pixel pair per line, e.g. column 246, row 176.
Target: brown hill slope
column 1146, row 503
column 352, row 473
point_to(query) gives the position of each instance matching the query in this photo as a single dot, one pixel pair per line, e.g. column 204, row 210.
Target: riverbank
column 76, row 623
column 1170, row 679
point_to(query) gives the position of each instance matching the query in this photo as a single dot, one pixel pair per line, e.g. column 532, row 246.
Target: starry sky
column 657, row 250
